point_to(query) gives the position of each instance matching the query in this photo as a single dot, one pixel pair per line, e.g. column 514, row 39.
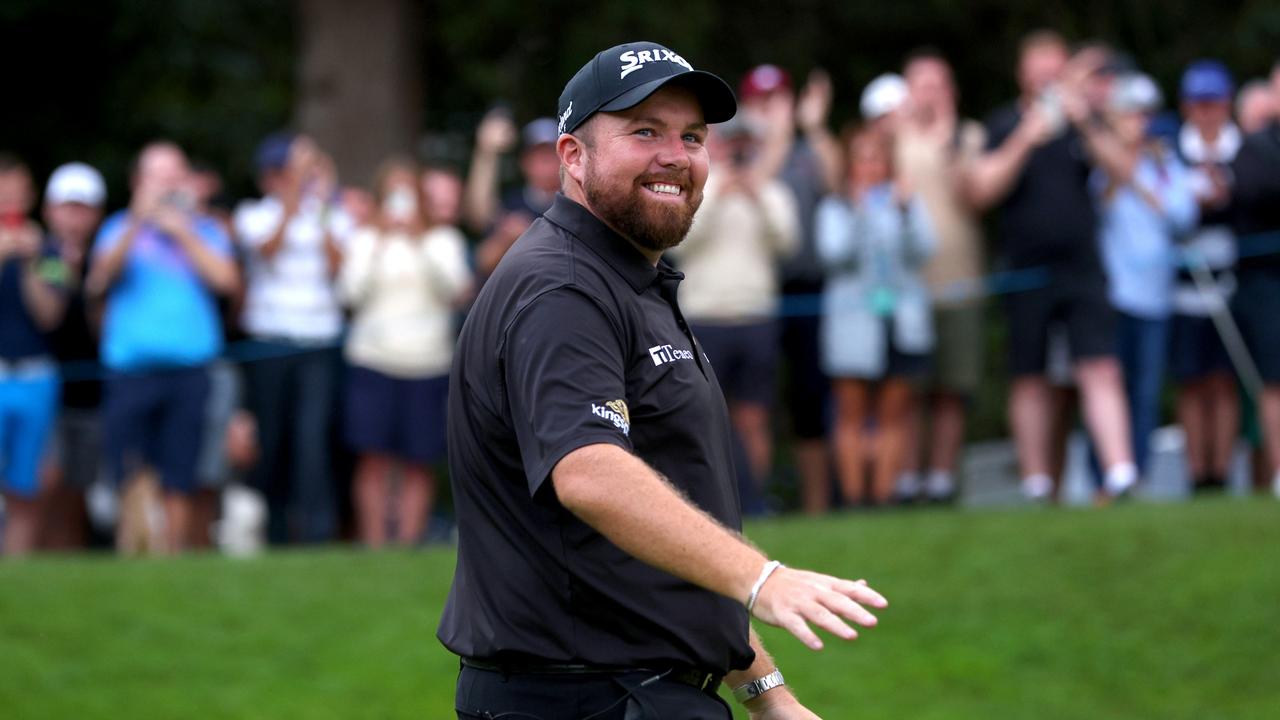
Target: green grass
column 1142, row 611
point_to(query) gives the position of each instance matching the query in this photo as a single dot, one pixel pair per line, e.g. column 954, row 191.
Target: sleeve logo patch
column 615, row 411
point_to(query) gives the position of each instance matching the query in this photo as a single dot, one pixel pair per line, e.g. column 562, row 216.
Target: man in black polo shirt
column 601, row 573
column 1040, row 154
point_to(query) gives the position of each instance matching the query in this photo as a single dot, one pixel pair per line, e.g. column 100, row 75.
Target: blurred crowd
column 184, row 356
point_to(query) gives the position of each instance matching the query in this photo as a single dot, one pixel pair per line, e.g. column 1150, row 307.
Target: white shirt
column 402, row 290
column 290, row 296
column 731, row 253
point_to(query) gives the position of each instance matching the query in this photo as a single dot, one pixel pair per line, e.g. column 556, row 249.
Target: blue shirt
column 1138, row 247
column 19, row 336
column 159, row 312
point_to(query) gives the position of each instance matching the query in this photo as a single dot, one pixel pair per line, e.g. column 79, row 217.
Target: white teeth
column 664, row 188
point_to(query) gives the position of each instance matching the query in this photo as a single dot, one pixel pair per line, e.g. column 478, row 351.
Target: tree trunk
column 360, row 81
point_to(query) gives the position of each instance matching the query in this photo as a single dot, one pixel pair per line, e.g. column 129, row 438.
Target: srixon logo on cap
column 632, row 60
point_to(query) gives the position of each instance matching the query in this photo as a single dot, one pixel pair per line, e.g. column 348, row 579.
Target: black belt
column 693, row 677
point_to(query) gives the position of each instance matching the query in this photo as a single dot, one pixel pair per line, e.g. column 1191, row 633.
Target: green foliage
column 94, row 81
column 1132, row 612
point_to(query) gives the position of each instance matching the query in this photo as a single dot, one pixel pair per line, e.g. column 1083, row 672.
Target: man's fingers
column 822, row 617
column 861, row 592
column 796, row 625
column 844, row 607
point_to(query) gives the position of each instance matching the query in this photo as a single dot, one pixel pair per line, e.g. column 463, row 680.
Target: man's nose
column 674, row 154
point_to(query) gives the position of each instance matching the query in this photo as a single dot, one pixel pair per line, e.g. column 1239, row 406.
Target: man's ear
column 573, row 156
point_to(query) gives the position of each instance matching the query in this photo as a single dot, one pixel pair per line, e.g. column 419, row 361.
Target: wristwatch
column 759, row 686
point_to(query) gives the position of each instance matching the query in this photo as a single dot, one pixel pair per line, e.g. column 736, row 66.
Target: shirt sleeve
column 356, row 274
column 445, row 252
column 108, row 235
column 833, row 235
column 214, row 237
column 254, row 222
column 563, row 369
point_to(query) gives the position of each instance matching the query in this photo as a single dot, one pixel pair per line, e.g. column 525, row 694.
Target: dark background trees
column 93, row 80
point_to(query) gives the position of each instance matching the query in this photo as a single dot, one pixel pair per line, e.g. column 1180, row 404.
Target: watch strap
column 759, row 686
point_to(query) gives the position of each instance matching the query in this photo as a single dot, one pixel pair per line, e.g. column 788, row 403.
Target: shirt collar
column 614, row 249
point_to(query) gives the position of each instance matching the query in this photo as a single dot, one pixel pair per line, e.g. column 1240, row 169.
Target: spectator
column 881, row 99
column 158, row 266
column 358, row 205
column 1208, row 405
column 1141, row 221
column 442, row 190
column 1256, row 106
column 501, row 219
column 210, row 195
column 873, row 238
column 32, row 301
column 73, row 203
column 1257, row 221
column 1040, row 153
column 747, row 223
column 292, row 240
column 810, row 169
column 403, row 279
column 933, row 148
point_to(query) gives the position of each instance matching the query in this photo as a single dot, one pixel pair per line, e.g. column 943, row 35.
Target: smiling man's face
column 645, row 167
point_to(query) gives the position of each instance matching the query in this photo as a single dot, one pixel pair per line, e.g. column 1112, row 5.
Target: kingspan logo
column 615, row 411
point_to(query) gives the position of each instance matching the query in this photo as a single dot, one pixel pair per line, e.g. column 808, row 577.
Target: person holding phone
column 32, row 300
column 1040, row 153
column 403, row 278
column 293, row 240
column 747, row 225
column 159, row 266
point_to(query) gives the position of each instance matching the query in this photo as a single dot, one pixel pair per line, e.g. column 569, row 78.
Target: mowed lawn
column 1140, row 611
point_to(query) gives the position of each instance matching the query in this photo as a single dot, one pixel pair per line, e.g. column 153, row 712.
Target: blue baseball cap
column 1207, row 80
column 273, row 151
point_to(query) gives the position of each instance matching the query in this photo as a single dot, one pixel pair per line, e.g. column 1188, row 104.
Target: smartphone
column 1050, row 104
column 180, row 200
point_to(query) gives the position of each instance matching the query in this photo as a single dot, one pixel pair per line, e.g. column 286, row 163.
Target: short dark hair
column 1042, row 37
column 10, row 162
column 135, row 164
column 923, row 52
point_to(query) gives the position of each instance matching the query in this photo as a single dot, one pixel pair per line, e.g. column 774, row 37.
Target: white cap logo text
column 633, row 60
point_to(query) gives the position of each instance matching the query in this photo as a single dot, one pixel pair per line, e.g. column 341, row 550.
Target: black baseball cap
column 624, row 75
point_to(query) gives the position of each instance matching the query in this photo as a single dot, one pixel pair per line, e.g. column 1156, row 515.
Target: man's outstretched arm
column 634, row 507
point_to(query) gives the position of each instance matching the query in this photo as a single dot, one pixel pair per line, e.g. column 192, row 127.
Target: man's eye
column 646, row 132
column 693, row 139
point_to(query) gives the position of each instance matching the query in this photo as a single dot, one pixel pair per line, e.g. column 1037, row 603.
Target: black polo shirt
column 575, row 340
column 1049, row 217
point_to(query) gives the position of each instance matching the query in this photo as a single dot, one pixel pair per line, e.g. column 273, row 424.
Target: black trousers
column 492, row 695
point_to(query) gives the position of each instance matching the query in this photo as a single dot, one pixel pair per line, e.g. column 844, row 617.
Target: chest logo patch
column 663, row 354
column 615, row 411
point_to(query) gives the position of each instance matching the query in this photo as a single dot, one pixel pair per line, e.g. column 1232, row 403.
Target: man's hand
column 497, row 133
column 740, row 181
column 22, row 242
column 171, row 220
column 814, row 104
column 791, row 599
column 1035, row 127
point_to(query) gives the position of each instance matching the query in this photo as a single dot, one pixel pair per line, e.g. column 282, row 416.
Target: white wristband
column 765, row 572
